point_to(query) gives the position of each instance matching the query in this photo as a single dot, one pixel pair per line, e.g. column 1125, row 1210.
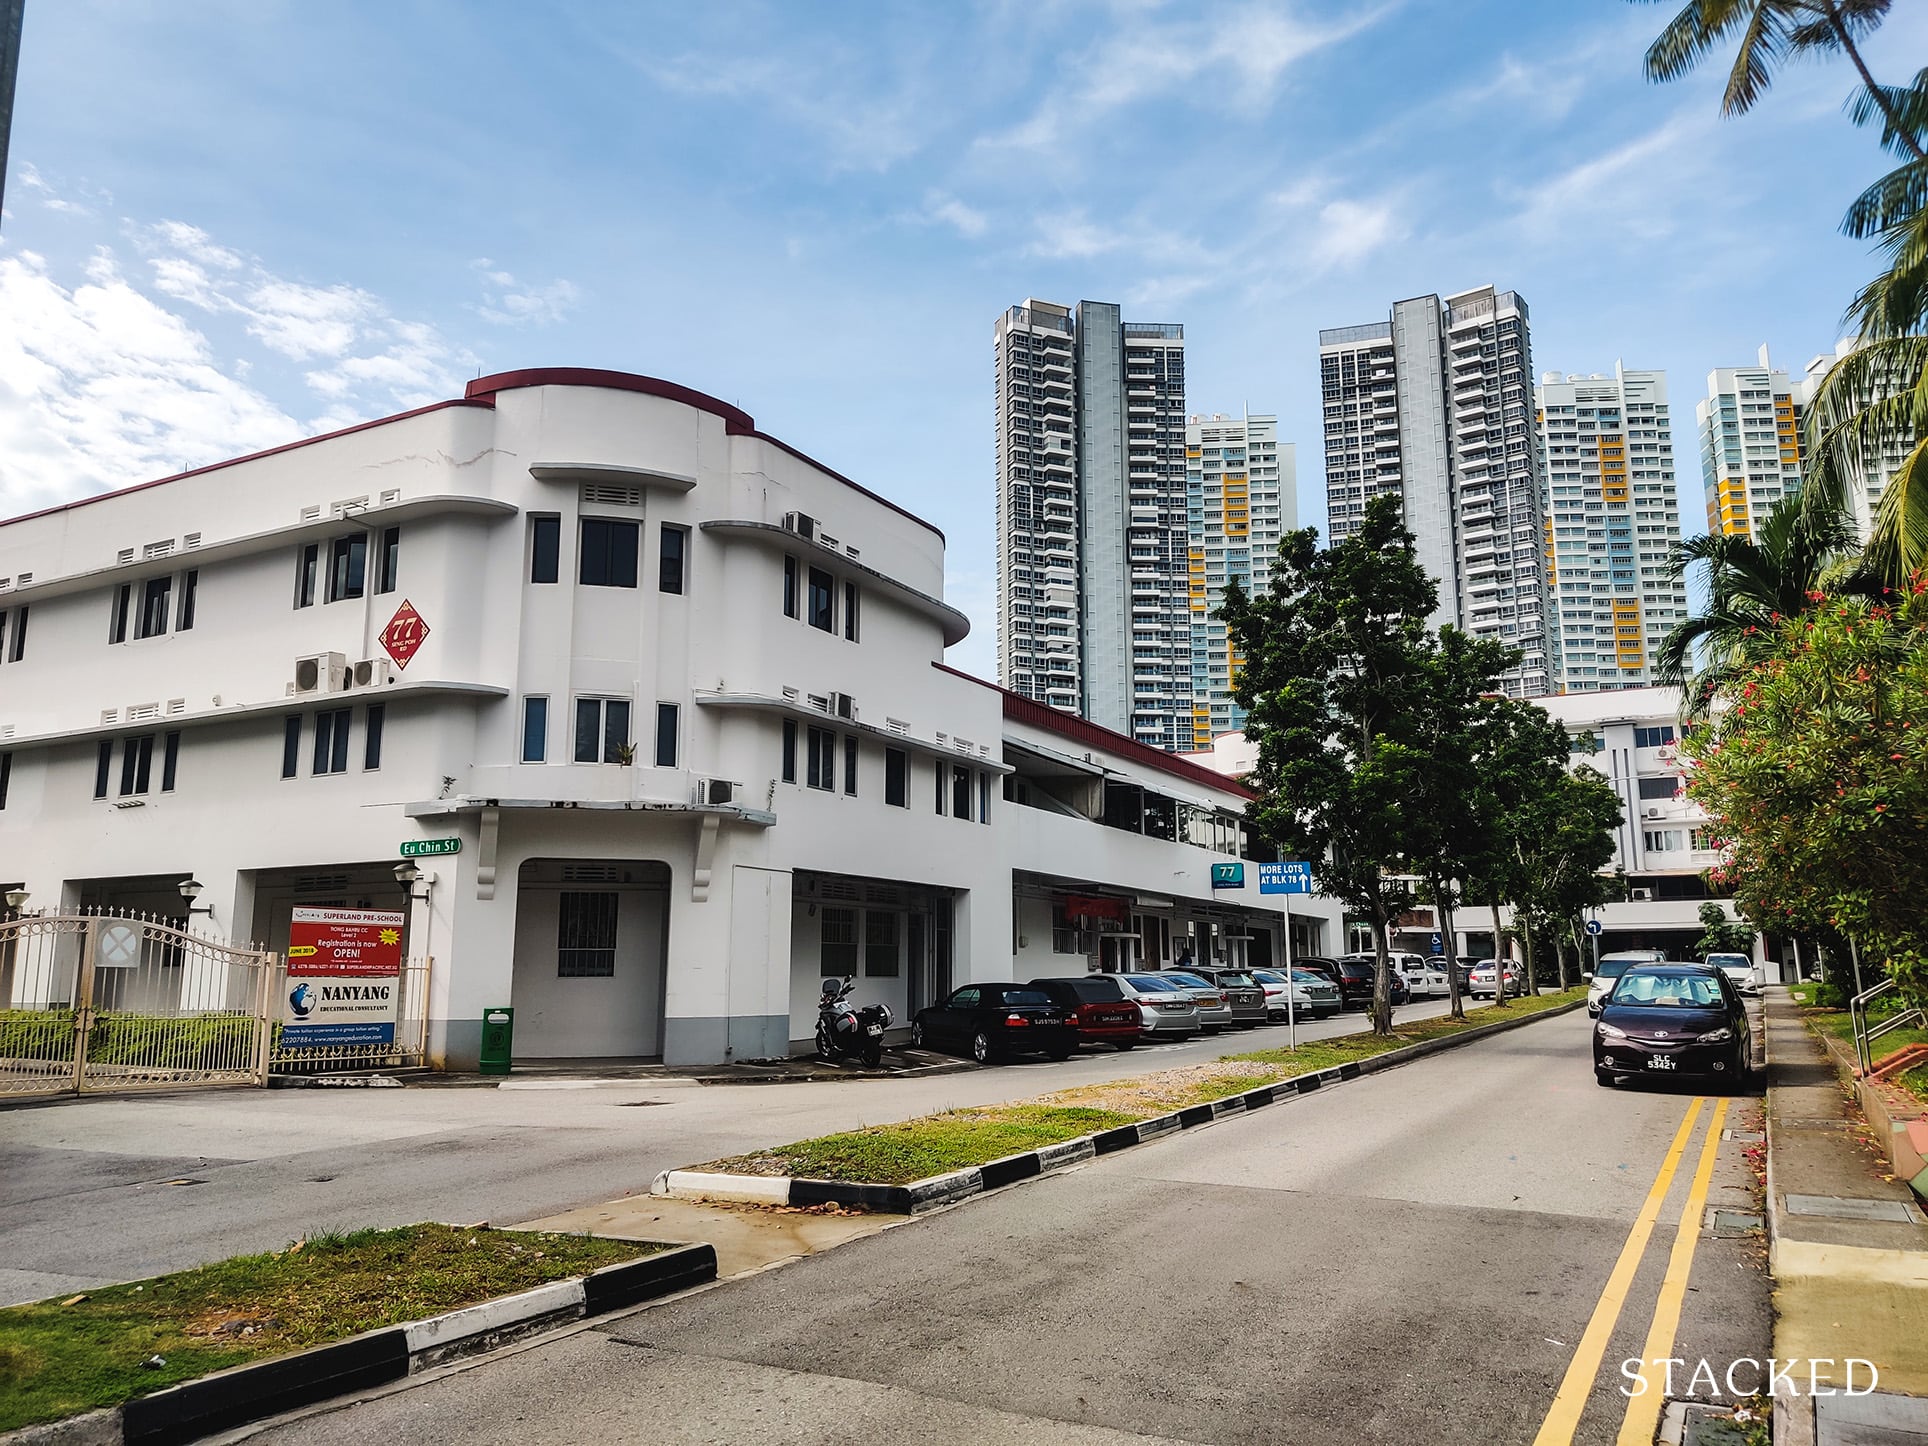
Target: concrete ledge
column 739, row 1189
column 616, row 1286
column 429, row 1339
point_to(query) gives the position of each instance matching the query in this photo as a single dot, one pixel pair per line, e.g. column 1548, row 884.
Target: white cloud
column 948, row 210
column 1630, row 185
column 507, row 302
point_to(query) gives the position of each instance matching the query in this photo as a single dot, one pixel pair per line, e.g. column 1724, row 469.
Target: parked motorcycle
column 842, row 1030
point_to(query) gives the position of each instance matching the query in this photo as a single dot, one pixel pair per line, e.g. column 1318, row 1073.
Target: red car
column 1098, row 1009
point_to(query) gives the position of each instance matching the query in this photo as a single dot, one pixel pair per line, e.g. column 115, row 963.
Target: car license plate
column 874, row 1029
column 1661, row 1061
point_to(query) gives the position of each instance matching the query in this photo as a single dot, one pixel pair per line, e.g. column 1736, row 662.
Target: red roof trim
column 1027, row 710
column 251, row 457
column 736, row 421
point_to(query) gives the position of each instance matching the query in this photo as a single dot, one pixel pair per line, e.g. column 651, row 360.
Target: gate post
column 84, row 1002
column 269, row 991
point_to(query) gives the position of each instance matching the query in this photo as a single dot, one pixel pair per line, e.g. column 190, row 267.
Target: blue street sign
column 1438, row 943
column 1595, row 927
column 1228, row 876
column 1288, row 878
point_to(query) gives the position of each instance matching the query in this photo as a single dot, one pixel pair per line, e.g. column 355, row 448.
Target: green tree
column 1721, row 934
column 1333, row 653
column 1561, row 842
column 1817, row 780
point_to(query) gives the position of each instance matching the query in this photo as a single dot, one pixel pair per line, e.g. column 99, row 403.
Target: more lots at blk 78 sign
column 344, row 977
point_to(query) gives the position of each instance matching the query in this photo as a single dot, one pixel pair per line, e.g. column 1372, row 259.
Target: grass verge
column 1839, row 1024
column 954, row 1139
column 61, row 1357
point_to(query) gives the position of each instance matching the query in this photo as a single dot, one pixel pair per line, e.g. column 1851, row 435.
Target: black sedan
column 995, row 1020
column 1357, row 978
column 1664, row 1020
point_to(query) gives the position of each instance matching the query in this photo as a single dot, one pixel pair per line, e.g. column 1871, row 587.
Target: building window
column 1653, row 737
column 137, row 762
column 960, row 792
column 1065, row 937
column 117, row 621
column 103, row 760
column 545, row 548
column 937, row 774
column 602, row 730
column 347, row 567
column 823, row 601
column 156, row 604
column 821, row 763
column 1657, row 788
column 331, row 740
column 372, row 736
column 669, row 559
column 850, row 764
column 984, row 798
column 837, row 942
column 850, row 611
column 290, row 746
column 535, row 730
column 666, row 735
column 586, row 935
column 6, row 776
column 170, row 759
column 1662, row 841
column 881, row 960
column 18, row 643
column 789, row 587
column 608, row 553
column 390, row 564
column 896, row 766
column 307, row 568
column 189, row 580
column 1701, row 839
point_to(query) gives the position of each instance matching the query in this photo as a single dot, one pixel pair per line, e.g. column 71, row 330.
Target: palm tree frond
column 1690, row 36
column 1898, row 546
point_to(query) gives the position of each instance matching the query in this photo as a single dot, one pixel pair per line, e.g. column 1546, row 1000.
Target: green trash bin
column 498, row 1040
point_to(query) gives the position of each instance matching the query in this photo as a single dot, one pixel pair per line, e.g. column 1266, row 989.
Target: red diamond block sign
column 405, row 634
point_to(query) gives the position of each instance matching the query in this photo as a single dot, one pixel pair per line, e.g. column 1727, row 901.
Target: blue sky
column 233, row 222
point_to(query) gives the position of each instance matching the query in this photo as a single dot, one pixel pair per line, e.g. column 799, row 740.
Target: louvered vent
column 590, row 874
column 596, row 494
column 142, row 712
column 163, row 548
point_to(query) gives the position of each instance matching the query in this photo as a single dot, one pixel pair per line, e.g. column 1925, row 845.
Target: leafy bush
column 134, row 1041
column 46, row 1034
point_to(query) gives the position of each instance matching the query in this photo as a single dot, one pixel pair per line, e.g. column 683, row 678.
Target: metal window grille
column 586, row 935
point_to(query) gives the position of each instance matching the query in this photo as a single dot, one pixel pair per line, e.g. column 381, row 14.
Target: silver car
column 1243, row 994
column 1165, row 1008
column 1741, row 971
column 1214, row 1009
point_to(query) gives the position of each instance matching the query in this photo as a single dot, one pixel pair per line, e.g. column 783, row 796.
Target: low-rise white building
column 671, row 691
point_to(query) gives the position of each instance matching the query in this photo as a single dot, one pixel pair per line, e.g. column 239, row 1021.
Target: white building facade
column 1614, row 514
column 1435, row 405
column 673, row 691
column 1750, row 444
column 1242, row 494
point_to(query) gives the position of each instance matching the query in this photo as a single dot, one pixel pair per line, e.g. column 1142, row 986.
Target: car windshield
column 1612, row 968
column 1151, row 983
column 1188, row 981
column 1731, row 961
column 1306, row 976
column 1237, row 977
column 1670, row 989
column 1268, row 976
column 1014, row 995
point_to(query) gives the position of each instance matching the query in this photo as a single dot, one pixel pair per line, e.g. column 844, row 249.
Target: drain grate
column 1727, row 1224
column 1842, row 1207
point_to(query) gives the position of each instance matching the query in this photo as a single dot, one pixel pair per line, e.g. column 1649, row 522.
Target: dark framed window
column 671, row 550
column 789, row 750
column 881, row 947
column 103, row 760
column 348, row 567
column 189, row 581
column 137, row 764
column 389, row 565
column 850, row 611
column 896, row 767
column 822, row 601
column 789, row 586
column 117, row 621
column 666, row 735
column 937, row 776
column 307, row 571
column 960, row 793
column 602, row 729
column 608, row 553
column 19, row 644
column 535, row 730
column 586, row 935
column 170, row 759
column 290, row 745
column 1657, row 788
column 820, row 762
column 332, row 727
column 850, row 764
column 372, row 736
column 984, row 798
column 157, row 595
column 6, row 776
column 545, row 548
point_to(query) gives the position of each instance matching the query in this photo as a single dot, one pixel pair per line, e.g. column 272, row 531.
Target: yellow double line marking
column 1643, row 1409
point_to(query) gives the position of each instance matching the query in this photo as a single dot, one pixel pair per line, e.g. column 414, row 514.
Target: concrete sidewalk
column 1849, row 1255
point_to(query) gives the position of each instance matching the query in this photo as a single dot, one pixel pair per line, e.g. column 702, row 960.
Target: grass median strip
column 62, row 1357
column 937, row 1144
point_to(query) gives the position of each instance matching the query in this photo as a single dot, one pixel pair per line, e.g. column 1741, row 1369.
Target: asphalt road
column 101, row 1189
column 1432, row 1254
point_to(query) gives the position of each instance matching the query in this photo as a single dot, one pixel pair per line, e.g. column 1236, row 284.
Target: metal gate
column 108, row 1001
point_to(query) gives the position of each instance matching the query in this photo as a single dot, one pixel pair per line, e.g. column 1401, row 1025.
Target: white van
column 1607, row 972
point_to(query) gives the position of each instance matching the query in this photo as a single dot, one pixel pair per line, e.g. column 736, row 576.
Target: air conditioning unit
column 321, row 672
column 1665, row 752
column 801, row 523
column 1653, row 813
column 844, row 706
column 719, row 791
column 1641, row 896
column 373, row 672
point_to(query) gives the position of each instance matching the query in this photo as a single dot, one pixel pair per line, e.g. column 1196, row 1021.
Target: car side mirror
column 1586, row 976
